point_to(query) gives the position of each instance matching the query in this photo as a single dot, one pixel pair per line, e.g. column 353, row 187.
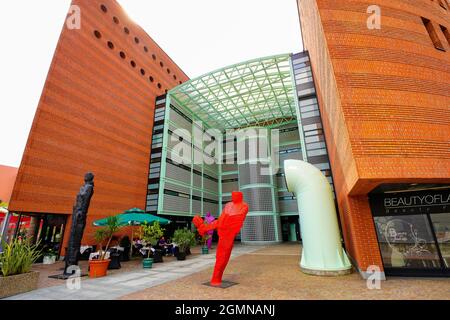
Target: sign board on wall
column 428, row 201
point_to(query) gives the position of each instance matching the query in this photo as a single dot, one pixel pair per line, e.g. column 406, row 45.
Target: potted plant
column 184, row 239
column 151, row 234
column 204, row 242
column 15, row 268
column 50, row 256
column 98, row 267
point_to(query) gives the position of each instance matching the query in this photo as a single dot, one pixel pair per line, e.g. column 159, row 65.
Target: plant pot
column 158, row 256
column 181, row 256
column 98, row 268
column 147, row 263
column 49, row 260
column 205, row 250
column 20, row 283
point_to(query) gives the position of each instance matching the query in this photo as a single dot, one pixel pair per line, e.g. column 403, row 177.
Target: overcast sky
column 199, row 35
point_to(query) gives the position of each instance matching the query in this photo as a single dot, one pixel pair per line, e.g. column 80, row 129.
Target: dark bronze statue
column 79, row 214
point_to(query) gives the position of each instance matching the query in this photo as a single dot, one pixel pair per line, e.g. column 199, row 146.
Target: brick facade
column 95, row 114
column 385, row 102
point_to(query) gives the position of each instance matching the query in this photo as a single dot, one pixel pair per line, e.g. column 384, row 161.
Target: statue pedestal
column 63, row 276
column 225, row 284
column 326, row 273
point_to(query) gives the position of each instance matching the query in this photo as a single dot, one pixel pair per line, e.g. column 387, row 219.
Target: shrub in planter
column 98, row 268
column 15, row 268
column 184, row 239
column 204, row 243
column 151, row 234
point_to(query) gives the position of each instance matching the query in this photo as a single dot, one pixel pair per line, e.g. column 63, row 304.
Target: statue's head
column 89, row 177
column 237, row 196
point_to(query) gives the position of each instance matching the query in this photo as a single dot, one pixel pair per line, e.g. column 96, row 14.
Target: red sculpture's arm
column 202, row 227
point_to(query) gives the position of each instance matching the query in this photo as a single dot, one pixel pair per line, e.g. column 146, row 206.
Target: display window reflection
column 407, row 241
column 441, row 225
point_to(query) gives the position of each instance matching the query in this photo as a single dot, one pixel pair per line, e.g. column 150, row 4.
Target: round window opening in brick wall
column 136, row 39
column 104, row 8
column 159, row 85
column 110, row 45
column 97, row 34
column 174, row 77
column 116, row 20
column 126, row 30
column 122, row 55
column 161, row 64
column 154, row 57
column 181, row 82
column 151, row 79
column 145, row 49
column 143, row 72
column 168, row 71
column 133, row 64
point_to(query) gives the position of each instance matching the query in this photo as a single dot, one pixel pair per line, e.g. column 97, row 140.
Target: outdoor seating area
column 112, row 251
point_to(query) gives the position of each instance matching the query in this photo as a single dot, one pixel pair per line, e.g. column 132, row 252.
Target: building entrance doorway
column 47, row 230
column 290, row 228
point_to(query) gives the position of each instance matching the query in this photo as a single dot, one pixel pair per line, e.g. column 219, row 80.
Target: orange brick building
column 7, row 178
column 385, row 104
column 94, row 115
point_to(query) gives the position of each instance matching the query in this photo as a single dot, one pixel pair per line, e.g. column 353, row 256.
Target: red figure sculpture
column 228, row 226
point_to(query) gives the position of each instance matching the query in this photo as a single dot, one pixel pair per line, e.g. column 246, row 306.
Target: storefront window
column 407, row 241
column 441, row 224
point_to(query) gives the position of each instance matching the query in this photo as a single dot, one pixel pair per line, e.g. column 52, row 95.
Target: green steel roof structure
column 258, row 92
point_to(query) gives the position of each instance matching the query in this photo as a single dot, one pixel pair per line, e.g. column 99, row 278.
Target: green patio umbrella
column 134, row 217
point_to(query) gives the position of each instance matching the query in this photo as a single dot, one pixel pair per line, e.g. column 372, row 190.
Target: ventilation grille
column 180, row 121
column 289, row 136
column 259, row 199
column 291, row 155
column 230, row 186
column 229, row 167
column 196, row 207
column 251, row 174
column 174, row 187
column 175, row 203
column 211, row 207
column 210, row 185
column 259, row 228
column 288, row 205
column 197, row 180
column 253, row 148
column 178, row 173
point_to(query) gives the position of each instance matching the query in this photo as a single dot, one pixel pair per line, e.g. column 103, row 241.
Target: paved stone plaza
column 262, row 273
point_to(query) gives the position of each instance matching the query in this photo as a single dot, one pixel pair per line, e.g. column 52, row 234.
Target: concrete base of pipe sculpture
column 228, row 226
column 322, row 252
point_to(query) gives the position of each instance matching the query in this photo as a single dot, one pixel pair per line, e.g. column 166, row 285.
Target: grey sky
column 199, row 35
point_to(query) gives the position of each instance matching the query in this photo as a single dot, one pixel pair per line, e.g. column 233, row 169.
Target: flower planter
column 181, row 256
column 158, row 256
column 98, row 268
column 205, row 250
column 147, row 263
column 17, row 284
column 49, row 260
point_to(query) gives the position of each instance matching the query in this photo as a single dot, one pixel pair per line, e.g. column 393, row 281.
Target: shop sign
column 431, row 201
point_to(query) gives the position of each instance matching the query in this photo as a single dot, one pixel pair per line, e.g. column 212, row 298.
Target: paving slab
column 120, row 284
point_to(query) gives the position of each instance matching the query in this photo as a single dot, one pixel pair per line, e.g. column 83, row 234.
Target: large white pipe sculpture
column 322, row 252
